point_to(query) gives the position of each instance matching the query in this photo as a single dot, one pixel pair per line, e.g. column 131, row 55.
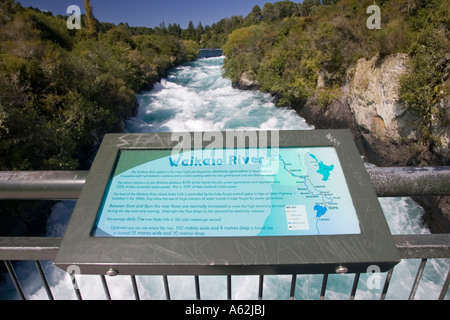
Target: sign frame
column 308, row 254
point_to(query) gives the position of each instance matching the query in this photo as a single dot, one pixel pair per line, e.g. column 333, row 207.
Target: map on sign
column 227, row 193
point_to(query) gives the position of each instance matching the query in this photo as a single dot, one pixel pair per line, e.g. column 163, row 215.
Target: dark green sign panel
column 228, row 202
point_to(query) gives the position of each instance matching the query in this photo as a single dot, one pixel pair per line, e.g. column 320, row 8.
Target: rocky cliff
column 381, row 117
column 385, row 132
column 391, row 130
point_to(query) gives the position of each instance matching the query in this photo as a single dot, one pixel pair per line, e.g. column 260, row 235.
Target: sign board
column 228, row 203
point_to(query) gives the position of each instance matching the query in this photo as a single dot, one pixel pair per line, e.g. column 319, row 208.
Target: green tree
column 268, row 12
column 308, row 7
column 189, row 33
column 71, row 86
column 175, row 30
column 284, row 9
column 254, row 16
column 199, row 31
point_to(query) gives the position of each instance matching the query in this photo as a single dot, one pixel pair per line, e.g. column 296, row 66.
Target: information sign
column 244, row 192
column 235, row 202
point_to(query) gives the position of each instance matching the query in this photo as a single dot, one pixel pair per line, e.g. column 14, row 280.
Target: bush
column 62, row 90
column 286, row 55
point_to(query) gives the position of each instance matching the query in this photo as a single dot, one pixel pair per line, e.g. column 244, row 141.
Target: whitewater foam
column 196, row 97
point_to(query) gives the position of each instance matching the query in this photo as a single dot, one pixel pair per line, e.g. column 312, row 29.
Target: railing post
column 44, row 280
column 355, row 286
column 228, row 287
column 324, row 286
column 14, row 279
column 445, row 287
column 418, row 277
column 135, row 288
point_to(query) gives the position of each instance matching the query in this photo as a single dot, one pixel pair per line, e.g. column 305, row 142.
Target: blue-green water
column 195, row 97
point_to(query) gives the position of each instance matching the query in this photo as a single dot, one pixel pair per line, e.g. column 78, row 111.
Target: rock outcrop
column 246, row 81
column 374, row 101
column 381, row 119
column 385, row 132
column 384, row 121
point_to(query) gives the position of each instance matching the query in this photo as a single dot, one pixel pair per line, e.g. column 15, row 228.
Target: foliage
column 61, row 90
column 288, row 46
column 246, row 45
column 424, row 86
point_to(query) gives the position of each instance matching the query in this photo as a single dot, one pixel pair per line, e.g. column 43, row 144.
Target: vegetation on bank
column 287, row 50
column 61, row 89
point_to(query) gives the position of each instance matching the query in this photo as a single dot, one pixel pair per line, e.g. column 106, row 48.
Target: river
column 195, row 97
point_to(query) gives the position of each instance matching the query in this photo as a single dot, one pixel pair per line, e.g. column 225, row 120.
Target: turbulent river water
column 195, row 97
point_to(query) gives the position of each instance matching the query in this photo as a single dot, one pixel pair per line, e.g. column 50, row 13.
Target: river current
column 195, row 97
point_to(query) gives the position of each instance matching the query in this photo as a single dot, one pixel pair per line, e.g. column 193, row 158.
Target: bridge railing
column 66, row 185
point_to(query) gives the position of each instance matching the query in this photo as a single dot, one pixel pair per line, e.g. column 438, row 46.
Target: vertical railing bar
column 135, row 288
column 261, row 285
column 75, row 285
column 387, row 282
column 105, row 287
column 293, row 281
column 228, row 287
column 44, row 279
column 197, row 287
column 166, row 287
column 14, row 279
column 417, row 280
column 355, row 286
column 324, row 286
column 445, row 287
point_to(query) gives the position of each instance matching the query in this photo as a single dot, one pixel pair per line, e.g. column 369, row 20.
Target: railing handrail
column 410, row 181
column 29, row 248
column 410, row 246
column 67, row 185
column 62, row 185
column 41, row 185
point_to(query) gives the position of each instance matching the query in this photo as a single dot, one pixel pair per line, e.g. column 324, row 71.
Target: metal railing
column 388, row 182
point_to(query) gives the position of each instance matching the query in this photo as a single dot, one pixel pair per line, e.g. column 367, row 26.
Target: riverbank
column 373, row 137
column 384, row 153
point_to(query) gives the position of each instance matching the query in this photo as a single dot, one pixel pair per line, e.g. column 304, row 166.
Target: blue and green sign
column 227, row 193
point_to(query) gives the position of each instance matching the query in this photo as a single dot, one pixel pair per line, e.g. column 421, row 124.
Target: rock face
column 384, row 131
column 391, row 130
column 370, row 107
column 437, row 213
column 381, row 119
column 246, row 82
column 374, row 100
